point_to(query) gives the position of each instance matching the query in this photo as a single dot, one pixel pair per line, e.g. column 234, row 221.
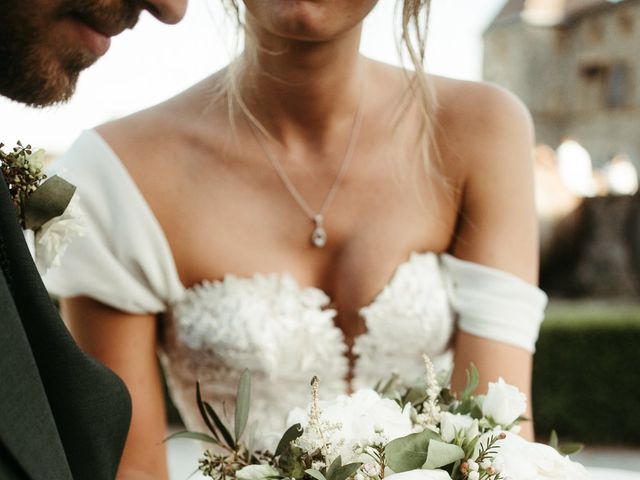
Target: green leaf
column 315, row 474
column 202, row 437
column 50, row 200
column 335, row 465
column 390, row 386
column 243, row 402
column 440, row 454
column 220, row 426
column 346, row 471
column 410, row 452
column 570, row 448
column 553, row 440
column 203, row 412
column 473, row 379
column 293, row 432
column 415, row 395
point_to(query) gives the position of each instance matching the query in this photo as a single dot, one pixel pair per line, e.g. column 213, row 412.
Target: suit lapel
column 27, row 426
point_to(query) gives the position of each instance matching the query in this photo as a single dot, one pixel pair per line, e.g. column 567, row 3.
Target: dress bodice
column 286, row 334
column 283, row 333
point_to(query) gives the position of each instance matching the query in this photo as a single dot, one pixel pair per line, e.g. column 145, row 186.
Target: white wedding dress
column 283, row 333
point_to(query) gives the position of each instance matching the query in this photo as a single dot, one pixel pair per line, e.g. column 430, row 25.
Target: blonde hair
column 411, row 39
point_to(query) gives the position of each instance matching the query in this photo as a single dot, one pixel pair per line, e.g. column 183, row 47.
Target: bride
column 305, row 211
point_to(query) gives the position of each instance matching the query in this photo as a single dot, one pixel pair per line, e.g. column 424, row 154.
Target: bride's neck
column 299, row 88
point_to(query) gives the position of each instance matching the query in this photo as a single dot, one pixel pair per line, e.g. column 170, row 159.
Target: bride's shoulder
column 472, row 120
column 480, row 120
column 153, row 139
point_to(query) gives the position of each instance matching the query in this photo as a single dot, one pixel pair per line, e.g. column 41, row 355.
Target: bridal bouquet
column 422, row 432
column 46, row 207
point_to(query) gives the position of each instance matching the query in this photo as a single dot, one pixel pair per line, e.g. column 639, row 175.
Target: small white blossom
column 457, row 425
column 473, row 475
column 504, row 403
column 35, row 161
column 420, row 475
column 473, row 465
column 256, row 472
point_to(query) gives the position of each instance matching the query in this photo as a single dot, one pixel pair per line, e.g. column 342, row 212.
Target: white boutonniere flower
column 47, row 207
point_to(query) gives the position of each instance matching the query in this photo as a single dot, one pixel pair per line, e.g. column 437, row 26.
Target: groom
column 63, row 416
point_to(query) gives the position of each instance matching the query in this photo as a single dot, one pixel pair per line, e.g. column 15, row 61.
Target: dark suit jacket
column 62, row 415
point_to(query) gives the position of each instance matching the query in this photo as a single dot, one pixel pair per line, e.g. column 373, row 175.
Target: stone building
column 576, row 64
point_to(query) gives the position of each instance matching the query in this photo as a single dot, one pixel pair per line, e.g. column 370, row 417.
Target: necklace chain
column 319, row 235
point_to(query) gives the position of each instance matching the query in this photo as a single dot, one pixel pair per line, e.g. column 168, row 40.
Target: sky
column 155, row 61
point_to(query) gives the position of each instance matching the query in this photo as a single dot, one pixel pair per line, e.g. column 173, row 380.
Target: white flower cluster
column 365, row 418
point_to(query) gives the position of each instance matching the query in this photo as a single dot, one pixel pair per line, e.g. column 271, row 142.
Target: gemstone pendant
column 319, row 235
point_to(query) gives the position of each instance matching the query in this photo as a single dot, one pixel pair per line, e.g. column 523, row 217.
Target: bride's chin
column 307, row 20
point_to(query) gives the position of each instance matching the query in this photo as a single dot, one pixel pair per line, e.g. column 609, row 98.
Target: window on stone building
column 617, row 86
column 607, row 85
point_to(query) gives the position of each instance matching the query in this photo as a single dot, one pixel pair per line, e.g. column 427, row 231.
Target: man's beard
column 38, row 78
column 34, row 68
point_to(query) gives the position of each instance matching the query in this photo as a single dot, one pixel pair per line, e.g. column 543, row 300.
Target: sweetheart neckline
column 281, row 277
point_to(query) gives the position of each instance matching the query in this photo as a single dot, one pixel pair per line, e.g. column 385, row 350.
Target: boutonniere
column 47, row 207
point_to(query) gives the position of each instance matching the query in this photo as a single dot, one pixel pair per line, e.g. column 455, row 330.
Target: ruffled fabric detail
column 411, row 316
column 283, row 333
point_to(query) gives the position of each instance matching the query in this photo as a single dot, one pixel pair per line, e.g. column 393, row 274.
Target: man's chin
column 44, row 82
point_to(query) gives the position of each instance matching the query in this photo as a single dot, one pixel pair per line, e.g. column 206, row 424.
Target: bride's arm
column 127, row 344
column 498, row 223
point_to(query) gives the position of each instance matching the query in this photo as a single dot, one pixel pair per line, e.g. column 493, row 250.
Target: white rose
column 504, row 403
column 420, row 475
column 351, row 422
column 256, row 472
column 53, row 238
column 451, row 425
column 522, row 460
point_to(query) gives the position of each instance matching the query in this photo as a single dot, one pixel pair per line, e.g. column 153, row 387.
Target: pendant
column 319, row 235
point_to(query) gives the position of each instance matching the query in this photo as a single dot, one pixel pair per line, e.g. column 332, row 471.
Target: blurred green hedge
column 586, row 381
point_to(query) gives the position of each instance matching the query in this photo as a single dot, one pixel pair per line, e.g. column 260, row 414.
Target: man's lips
column 105, row 28
column 89, row 37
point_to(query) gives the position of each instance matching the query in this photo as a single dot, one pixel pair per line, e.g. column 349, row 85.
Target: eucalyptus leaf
column 570, row 448
column 202, row 437
column 243, row 402
column 390, row 386
column 440, row 454
column 553, row 440
column 473, row 379
column 410, row 452
column 335, row 465
column 315, row 474
column 415, row 395
column 48, row 201
column 203, row 412
column 293, row 432
column 345, row 471
column 220, row 426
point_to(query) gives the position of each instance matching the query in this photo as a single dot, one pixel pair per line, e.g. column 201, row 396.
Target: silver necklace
column 319, row 234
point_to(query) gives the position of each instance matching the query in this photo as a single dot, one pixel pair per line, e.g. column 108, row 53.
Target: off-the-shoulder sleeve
column 124, row 259
column 494, row 304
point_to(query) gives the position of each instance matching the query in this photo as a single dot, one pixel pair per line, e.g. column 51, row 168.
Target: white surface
column 183, row 460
